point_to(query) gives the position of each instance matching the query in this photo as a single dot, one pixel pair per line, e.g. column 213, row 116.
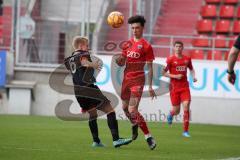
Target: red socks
column 172, row 112
column 186, row 121
column 138, row 119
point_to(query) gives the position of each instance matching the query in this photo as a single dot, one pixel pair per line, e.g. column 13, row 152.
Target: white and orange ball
column 115, row 19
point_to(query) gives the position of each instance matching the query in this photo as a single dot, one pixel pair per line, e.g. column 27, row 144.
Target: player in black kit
column 88, row 95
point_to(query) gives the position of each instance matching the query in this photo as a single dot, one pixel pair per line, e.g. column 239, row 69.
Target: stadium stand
column 213, row 1
column 220, row 41
column 209, row 11
column 196, row 54
column 222, row 26
column 201, row 41
column 236, row 27
column 205, row 26
column 230, row 1
column 215, row 55
column 226, row 11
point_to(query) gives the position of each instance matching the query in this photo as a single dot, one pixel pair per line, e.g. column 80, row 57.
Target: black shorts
column 90, row 97
column 237, row 43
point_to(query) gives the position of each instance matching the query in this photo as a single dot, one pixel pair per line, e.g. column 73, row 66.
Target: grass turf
column 48, row 138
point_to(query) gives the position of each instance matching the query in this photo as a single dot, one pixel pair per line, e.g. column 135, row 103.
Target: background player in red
column 136, row 53
column 179, row 87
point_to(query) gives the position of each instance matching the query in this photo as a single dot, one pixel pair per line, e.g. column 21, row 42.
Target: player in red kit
column 177, row 65
column 136, row 53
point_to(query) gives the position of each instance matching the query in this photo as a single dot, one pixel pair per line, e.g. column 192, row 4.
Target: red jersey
column 137, row 54
column 175, row 66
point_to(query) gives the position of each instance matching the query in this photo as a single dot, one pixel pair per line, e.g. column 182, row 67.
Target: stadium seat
column 209, row 11
column 205, row 26
column 238, row 13
column 213, row 1
column 214, row 55
column 236, row 27
column 226, row 11
column 222, row 26
column 230, row 1
column 201, row 41
column 232, row 41
column 196, row 54
column 220, row 41
column 225, row 55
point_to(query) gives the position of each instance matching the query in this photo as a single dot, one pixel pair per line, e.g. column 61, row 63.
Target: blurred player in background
column 177, row 65
column 83, row 79
column 135, row 56
column 232, row 58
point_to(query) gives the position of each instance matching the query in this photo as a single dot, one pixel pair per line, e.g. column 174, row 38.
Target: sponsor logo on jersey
column 139, row 46
column 181, row 68
column 132, row 54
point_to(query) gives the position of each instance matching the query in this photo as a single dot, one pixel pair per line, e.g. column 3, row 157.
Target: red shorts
column 131, row 89
column 180, row 95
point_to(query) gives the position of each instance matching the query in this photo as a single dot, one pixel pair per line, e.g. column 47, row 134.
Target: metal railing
column 172, row 38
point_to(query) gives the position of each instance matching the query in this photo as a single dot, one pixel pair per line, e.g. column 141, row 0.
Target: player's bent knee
column 132, row 109
column 177, row 111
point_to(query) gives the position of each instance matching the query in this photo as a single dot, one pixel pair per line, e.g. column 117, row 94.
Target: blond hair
column 77, row 40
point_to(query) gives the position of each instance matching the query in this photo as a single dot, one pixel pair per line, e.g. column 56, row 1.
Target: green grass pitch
column 48, row 138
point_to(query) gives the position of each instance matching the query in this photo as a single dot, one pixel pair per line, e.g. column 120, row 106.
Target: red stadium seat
column 209, row 11
column 222, row 26
column 205, row 26
column 232, row 41
column 226, row 11
column 220, row 41
column 230, row 1
column 238, row 13
column 201, row 41
column 226, row 54
column 213, row 1
column 236, row 27
column 197, row 54
column 214, row 55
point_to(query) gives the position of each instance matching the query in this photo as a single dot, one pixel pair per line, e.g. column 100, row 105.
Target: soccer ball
column 115, row 19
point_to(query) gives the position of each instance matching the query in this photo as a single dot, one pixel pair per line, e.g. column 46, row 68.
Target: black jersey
column 81, row 75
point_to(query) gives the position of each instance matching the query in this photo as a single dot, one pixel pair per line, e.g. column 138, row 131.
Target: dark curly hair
column 137, row 19
column 178, row 42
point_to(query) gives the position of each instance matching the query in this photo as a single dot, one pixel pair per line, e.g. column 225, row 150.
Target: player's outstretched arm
column 232, row 58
